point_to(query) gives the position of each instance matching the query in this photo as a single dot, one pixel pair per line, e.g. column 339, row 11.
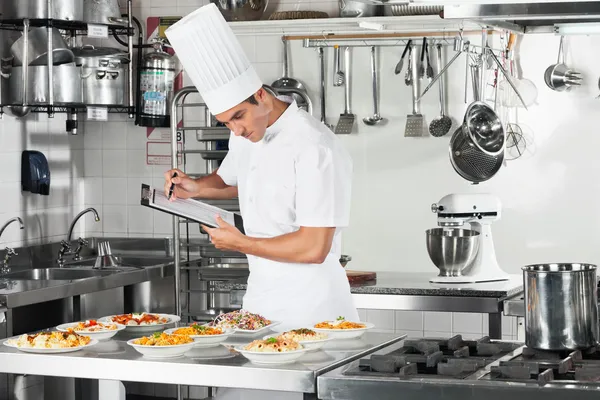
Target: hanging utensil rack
column 74, row 29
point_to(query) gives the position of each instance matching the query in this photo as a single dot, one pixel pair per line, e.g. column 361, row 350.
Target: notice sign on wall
column 159, row 153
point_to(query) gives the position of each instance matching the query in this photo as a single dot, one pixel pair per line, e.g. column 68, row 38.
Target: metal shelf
column 77, row 27
column 80, row 108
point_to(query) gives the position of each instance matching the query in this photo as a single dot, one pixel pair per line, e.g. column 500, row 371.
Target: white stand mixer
column 480, row 211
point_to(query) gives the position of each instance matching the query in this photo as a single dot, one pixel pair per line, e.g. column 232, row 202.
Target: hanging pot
column 69, row 10
column 37, row 50
column 355, row 9
column 102, row 12
column 102, row 75
column 66, row 80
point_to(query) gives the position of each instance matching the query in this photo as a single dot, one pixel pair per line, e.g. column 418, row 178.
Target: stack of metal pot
column 561, row 306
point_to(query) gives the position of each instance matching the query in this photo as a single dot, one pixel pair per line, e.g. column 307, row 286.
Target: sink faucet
column 4, row 268
column 65, row 246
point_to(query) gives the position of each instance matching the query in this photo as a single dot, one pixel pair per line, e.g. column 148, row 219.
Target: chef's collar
column 278, row 125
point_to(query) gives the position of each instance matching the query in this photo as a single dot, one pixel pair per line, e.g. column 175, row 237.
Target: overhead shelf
column 419, row 23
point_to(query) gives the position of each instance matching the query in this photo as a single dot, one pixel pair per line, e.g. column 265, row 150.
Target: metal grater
column 346, row 121
column 415, row 124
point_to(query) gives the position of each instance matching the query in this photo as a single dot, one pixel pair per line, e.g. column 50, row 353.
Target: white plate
column 237, row 330
column 145, row 328
column 310, row 345
column 206, row 340
column 346, row 333
column 210, row 353
column 49, row 351
column 287, row 357
column 177, row 350
column 100, row 335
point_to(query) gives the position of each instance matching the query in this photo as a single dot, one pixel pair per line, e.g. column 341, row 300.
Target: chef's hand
column 225, row 237
column 185, row 187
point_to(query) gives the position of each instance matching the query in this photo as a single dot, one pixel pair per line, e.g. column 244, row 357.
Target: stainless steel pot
column 561, row 306
column 354, row 9
column 69, row 10
column 66, row 83
column 102, row 12
column 103, row 74
column 37, row 49
column 241, row 10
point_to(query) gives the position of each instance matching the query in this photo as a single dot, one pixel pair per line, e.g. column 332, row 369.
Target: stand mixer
column 479, row 211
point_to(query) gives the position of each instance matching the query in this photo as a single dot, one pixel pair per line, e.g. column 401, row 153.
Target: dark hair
column 252, row 100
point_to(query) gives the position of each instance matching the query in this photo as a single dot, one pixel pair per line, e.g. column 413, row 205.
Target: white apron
column 297, row 175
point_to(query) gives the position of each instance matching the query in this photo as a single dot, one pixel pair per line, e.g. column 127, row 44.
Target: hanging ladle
column 375, row 118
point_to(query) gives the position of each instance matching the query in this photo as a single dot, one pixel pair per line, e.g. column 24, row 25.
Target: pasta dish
column 198, row 330
column 139, row 319
column 163, row 339
column 51, row 340
column 273, row 345
column 340, row 323
column 93, row 326
column 241, row 319
column 299, row 335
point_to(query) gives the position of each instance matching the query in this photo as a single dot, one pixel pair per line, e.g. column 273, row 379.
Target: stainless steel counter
column 214, row 367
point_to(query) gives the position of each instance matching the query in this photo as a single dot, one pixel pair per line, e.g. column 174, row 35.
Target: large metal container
column 37, row 49
column 102, row 12
column 561, row 306
column 69, row 10
column 66, row 82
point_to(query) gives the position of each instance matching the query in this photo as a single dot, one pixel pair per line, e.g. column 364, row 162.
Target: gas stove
column 448, row 368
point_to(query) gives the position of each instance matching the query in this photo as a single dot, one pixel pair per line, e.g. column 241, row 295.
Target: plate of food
column 162, row 345
column 51, row 342
column 308, row 338
column 272, row 351
column 243, row 321
column 92, row 328
column 142, row 322
column 342, row 329
column 204, row 336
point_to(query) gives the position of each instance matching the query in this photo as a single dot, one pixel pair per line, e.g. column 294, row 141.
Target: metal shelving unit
column 73, row 29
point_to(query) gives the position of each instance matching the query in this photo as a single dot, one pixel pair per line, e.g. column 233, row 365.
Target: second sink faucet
column 4, row 268
column 65, row 246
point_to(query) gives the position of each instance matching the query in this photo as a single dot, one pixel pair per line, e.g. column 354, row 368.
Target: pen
column 172, row 186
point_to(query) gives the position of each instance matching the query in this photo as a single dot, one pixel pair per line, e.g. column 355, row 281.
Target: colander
column 469, row 161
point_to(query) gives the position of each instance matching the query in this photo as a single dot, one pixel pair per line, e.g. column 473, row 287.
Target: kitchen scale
column 479, row 211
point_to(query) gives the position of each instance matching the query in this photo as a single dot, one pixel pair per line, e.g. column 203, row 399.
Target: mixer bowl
column 452, row 250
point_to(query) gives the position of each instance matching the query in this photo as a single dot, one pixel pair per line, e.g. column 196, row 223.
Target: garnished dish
column 342, row 329
column 243, row 321
column 203, row 336
column 163, row 339
column 51, row 342
column 272, row 350
column 92, row 328
column 308, row 338
column 273, row 345
column 162, row 345
column 142, row 322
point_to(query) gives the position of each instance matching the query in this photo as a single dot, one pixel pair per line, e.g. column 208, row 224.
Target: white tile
column 92, row 135
column 508, row 325
column 134, row 190
column 10, row 167
column 93, row 191
column 409, row 320
column 382, row 319
column 411, row 334
column 92, row 163
column 12, row 197
column 269, row 49
column 438, row 321
column 115, row 219
column 114, row 163
column 485, row 324
column 136, row 164
column 140, row 219
column 90, row 225
column 163, row 223
column 362, row 314
column 114, row 135
column 114, row 191
column 136, row 137
column 248, row 44
column 466, row 322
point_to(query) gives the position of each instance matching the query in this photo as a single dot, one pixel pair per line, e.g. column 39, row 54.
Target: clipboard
column 191, row 209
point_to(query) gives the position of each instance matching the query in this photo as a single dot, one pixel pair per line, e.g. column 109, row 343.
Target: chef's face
column 250, row 118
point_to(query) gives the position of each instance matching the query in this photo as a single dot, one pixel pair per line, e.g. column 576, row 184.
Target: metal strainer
column 470, row 162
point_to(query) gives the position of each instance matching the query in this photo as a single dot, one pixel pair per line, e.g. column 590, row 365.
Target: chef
column 292, row 177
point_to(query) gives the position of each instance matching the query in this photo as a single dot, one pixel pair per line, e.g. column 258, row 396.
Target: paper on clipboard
column 194, row 210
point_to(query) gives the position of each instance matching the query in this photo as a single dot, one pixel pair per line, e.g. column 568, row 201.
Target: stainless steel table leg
column 495, row 325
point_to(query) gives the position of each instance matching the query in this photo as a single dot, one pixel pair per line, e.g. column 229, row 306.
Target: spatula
column 415, row 124
column 346, row 121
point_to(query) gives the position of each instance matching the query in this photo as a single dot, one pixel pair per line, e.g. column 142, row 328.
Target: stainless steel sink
column 125, row 262
column 59, row 274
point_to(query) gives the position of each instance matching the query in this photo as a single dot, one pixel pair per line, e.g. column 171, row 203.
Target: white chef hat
column 213, row 58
